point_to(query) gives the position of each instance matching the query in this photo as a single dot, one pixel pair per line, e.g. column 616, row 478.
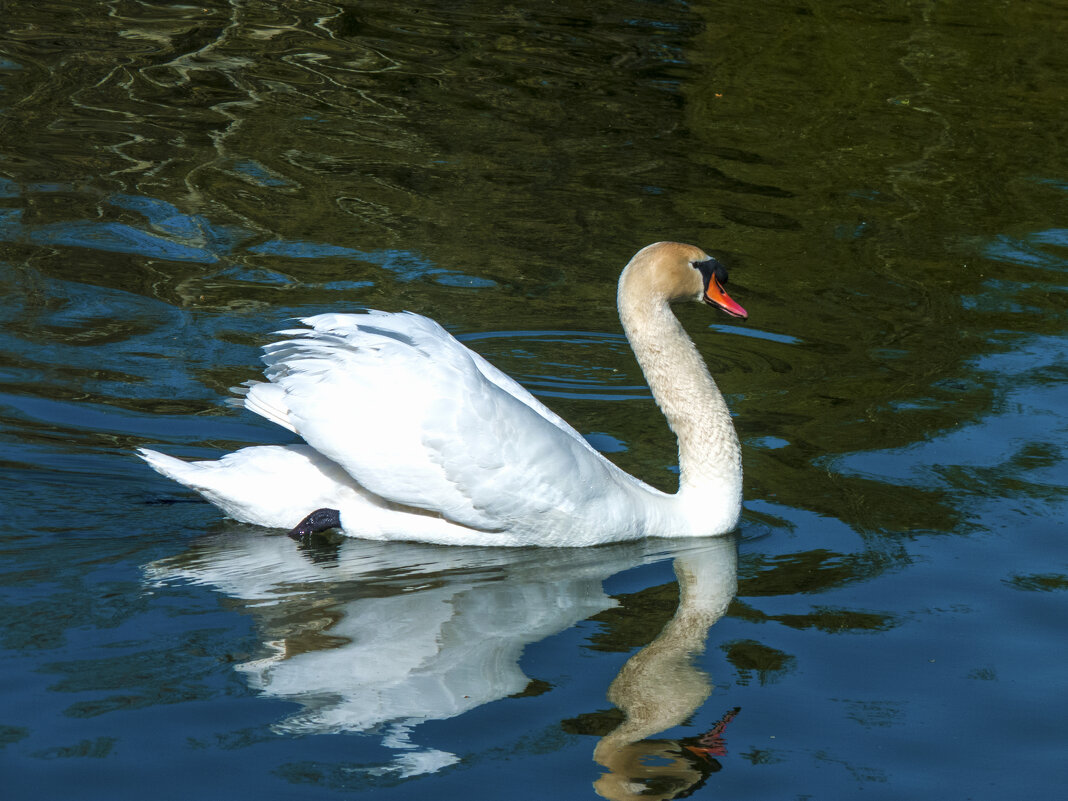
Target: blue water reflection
column 172, row 235
column 180, row 180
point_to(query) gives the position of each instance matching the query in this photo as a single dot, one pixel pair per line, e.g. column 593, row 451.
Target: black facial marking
column 710, row 269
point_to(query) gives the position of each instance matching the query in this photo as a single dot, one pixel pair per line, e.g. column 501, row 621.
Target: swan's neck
column 710, row 465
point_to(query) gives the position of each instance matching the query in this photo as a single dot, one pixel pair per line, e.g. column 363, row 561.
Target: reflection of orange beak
column 715, row 296
column 705, row 753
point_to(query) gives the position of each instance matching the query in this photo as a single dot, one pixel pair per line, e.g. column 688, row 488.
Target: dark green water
column 889, row 185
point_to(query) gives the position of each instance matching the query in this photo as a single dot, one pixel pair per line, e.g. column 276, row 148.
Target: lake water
column 889, row 185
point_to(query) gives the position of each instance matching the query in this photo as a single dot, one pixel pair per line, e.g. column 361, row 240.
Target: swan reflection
column 660, row 686
column 368, row 636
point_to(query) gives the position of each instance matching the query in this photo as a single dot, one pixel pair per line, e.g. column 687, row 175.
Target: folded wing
column 420, row 420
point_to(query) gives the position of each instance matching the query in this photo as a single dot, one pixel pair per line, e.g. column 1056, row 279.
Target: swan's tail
column 222, row 483
column 188, row 473
column 268, row 485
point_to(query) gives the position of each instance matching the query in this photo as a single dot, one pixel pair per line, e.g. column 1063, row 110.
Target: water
column 889, row 187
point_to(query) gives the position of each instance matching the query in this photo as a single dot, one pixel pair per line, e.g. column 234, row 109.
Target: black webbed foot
column 316, row 523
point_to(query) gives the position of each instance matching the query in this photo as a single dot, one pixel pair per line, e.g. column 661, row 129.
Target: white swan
column 411, row 436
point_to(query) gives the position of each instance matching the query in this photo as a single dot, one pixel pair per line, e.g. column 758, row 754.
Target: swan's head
column 674, row 272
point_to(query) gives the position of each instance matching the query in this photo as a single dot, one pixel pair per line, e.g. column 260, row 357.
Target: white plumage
column 411, row 435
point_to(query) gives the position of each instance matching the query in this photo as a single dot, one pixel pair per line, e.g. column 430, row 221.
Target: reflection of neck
column 660, row 686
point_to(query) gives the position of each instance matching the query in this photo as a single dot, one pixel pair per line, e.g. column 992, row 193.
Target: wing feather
column 419, row 419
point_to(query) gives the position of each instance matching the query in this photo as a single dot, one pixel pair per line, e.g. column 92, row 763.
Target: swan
column 409, row 435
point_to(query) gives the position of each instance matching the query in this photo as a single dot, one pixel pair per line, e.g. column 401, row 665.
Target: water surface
column 889, row 187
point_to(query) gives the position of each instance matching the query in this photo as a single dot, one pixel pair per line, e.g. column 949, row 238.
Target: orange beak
column 715, row 296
